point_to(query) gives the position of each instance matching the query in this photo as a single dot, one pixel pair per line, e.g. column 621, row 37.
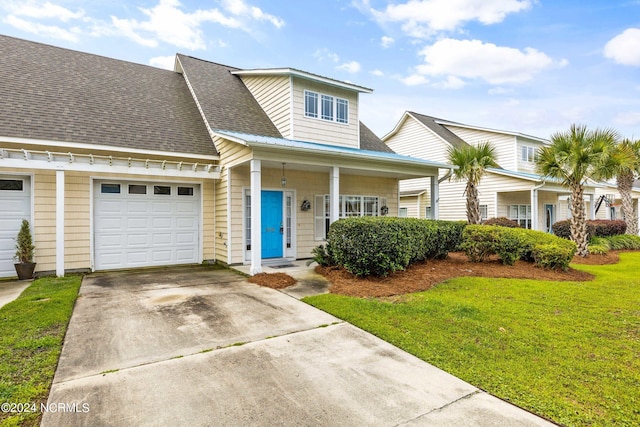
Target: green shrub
column 595, row 228
column 381, row 245
column 623, row 241
column 511, row 244
column 599, row 245
column 322, row 255
column 502, row 222
column 553, row 255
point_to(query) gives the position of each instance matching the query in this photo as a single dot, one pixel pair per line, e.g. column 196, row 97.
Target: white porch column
column 256, row 217
column 334, row 194
column 534, row 209
column 60, row 223
column 592, row 207
column 435, row 198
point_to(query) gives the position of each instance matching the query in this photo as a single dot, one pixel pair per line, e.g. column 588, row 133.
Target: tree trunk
column 578, row 220
column 473, row 205
column 625, row 183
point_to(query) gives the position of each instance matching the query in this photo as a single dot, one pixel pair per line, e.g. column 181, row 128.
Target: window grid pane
column 327, row 107
column 342, row 113
column 311, row 104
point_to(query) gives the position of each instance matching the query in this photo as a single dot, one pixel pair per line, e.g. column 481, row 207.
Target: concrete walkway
column 9, row 291
column 200, row 347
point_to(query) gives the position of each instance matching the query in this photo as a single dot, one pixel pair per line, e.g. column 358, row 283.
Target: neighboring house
column 120, row 165
column 514, row 190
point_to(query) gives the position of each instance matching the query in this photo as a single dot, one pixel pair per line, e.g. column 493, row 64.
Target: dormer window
column 330, row 108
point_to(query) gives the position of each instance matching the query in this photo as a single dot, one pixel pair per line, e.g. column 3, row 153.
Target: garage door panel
column 137, row 240
column 161, row 239
column 136, row 230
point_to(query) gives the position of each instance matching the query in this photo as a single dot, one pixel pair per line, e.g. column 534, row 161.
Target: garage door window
column 11, row 185
column 137, row 189
column 162, row 190
column 110, row 188
column 185, row 191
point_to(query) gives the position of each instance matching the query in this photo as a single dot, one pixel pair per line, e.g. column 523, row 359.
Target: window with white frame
column 528, row 154
column 484, row 212
column 521, row 214
column 428, row 213
column 403, row 212
column 349, row 206
column 326, row 107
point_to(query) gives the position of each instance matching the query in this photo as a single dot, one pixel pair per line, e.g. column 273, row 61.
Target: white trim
column 256, row 217
column 229, row 200
column 303, row 75
column 291, row 107
column 334, row 194
column 60, row 243
column 319, row 101
column 504, row 132
column 110, row 148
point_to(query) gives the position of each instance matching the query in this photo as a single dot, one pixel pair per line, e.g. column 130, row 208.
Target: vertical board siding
column 322, row 131
column 273, row 93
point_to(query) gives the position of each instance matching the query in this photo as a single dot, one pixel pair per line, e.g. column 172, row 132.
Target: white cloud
column 452, row 82
column 378, row 73
column 326, row 54
column 46, row 10
column 473, row 59
column 623, row 48
column 386, row 41
column 240, row 8
column 52, row 31
column 168, row 23
column 630, row 118
column 165, row 62
column 414, row 80
column 351, row 67
column 423, row 18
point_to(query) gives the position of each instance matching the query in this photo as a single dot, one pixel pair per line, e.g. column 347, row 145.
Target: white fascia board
column 397, row 127
column 303, row 75
column 82, row 146
column 115, row 169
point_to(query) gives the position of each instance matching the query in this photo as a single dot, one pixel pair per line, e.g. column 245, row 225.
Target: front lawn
column 568, row 351
column 32, row 329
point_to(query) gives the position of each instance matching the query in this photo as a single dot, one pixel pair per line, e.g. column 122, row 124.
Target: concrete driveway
column 198, row 347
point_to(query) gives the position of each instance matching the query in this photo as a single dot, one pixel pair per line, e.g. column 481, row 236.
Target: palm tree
column 573, row 157
column 627, row 158
column 472, row 162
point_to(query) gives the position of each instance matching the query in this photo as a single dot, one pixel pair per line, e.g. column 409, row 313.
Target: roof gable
column 225, row 101
column 55, row 94
column 370, row 141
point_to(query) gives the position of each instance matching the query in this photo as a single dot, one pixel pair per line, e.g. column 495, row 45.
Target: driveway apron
column 202, row 347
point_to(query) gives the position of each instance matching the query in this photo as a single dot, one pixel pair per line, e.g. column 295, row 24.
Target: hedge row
column 512, row 244
column 381, row 245
column 602, row 245
column 595, row 228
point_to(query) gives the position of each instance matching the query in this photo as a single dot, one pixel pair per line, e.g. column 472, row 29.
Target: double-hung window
column 528, row 154
column 349, row 206
column 326, row 107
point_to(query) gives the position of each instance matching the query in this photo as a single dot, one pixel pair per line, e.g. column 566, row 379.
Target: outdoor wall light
column 283, row 180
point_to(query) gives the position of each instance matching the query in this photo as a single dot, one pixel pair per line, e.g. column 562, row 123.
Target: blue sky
column 529, row 66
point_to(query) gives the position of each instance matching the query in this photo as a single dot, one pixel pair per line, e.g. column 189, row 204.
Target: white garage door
column 15, row 205
column 145, row 224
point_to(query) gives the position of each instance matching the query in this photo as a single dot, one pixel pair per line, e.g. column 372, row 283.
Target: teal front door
column 272, row 225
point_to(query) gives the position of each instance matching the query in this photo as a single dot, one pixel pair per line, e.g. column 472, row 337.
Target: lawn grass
column 567, row 351
column 32, row 329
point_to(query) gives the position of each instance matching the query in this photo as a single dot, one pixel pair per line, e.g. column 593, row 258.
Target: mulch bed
column 273, row 280
column 422, row 276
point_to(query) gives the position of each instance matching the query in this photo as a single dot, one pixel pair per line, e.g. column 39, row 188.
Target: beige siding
column 505, row 145
column 305, row 186
column 413, row 139
column 44, row 220
column 231, row 154
column 412, row 205
column 524, row 166
column 273, row 93
column 322, row 131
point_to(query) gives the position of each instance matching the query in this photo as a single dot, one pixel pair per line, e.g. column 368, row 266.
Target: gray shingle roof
column 225, row 100
column 439, row 130
column 370, row 141
column 50, row 93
